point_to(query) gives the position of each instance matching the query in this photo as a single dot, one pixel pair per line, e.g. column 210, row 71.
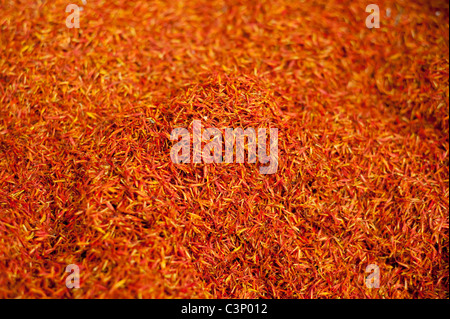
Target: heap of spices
column 86, row 177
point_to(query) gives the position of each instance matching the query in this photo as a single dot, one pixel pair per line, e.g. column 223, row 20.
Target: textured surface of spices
column 85, row 170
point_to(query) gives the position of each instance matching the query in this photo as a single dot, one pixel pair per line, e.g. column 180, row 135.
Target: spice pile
column 86, row 176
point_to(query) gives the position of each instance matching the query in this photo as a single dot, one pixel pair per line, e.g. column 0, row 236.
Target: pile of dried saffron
column 86, row 177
